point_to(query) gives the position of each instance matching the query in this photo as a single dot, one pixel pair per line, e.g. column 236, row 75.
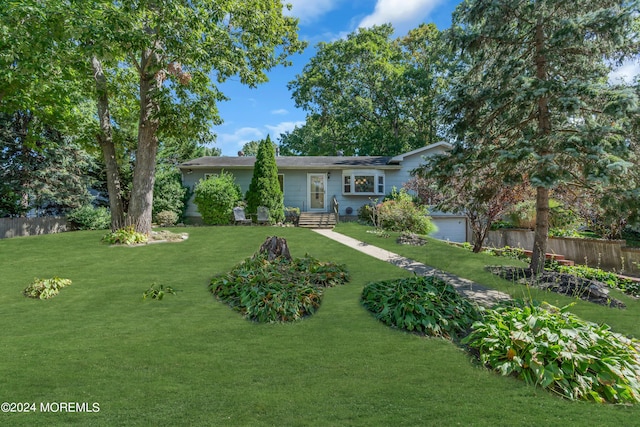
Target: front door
column 317, row 195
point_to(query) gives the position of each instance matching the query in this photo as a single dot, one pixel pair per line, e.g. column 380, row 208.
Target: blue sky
column 251, row 114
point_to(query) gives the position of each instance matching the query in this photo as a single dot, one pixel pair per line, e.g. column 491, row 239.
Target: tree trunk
column 274, row 247
column 141, row 205
column 542, row 230
column 105, row 140
column 544, row 130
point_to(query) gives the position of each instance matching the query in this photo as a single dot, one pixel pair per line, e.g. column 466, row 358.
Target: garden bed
column 562, row 283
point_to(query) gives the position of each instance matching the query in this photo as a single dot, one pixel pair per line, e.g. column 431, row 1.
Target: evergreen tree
column 533, row 99
column 265, row 187
column 40, row 169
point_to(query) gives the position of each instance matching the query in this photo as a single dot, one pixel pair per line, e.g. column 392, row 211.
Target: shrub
column 422, row 304
column 89, row 218
column 401, row 214
column 124, row 236
column 264, row 189
column 279, row 290
column 554, row 349
column 45, row 288
column 167, row 218
column 169, row 194
column 366, row 214
column 216, row 197
column 291, row 214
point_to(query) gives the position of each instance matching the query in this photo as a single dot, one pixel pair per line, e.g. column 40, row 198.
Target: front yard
column 190, row 360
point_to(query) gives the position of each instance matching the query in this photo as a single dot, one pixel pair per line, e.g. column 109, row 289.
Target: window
column 362, row 182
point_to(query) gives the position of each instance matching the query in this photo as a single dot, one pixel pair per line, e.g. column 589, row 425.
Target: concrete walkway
column 471, row 290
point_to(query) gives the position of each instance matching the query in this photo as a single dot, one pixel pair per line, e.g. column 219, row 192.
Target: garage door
column 451, row 229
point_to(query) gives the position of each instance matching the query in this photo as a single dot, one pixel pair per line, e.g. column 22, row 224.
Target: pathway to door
column 471, row 290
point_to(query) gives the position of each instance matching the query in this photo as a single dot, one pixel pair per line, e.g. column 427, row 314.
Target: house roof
column 310, row 162
column 399, row 158
column 293, row 162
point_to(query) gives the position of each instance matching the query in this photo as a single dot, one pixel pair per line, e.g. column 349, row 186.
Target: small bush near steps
column 427, row 305
column 45, row 288
column 552, row 348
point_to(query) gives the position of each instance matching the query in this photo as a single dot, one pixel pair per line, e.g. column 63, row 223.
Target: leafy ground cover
column 189, row 360
column 277, row 290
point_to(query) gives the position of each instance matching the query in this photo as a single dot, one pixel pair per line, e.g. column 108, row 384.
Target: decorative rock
column 562, row 283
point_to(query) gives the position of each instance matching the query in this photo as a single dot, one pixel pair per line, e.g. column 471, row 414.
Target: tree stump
column 274, row 247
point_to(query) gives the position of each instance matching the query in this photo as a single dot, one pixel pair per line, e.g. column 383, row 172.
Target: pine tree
column 264, row 189
column 533, row 98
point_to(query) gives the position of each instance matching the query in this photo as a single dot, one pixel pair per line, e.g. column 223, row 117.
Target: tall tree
column 533, row 95
column 264, row 189
column 40, row 169
column 167, row 56
column 369, row 93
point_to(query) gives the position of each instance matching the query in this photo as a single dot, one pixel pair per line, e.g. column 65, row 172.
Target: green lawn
column 189, row 360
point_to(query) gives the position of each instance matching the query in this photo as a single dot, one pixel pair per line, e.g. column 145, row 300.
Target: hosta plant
column 158, row 292
column 45, row 288
column 278, row 290
column 554, row 349
column 125, row 236
column 423, row 304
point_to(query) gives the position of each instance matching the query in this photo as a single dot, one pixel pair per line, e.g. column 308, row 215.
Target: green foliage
column 216, row 197
column 291, row 214
column 523, row 215
column 423, row 304
column 400, row 213
column 518, row 104
column 167, row 218
column 89, row 218
column 45, row 288
column 366, row 214
column 41, row 169
column 158, row 292
column 264, row 189
column 369, row 94
column 564, row 232
column 172, row 55
column 612, row 280
column 280, row 290
column 556, row 350
column 125, row 236
column 169, row 194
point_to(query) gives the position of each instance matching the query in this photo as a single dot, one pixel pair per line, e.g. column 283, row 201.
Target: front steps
column 316, row 220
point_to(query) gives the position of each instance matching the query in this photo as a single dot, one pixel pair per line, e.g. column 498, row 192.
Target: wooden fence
column 606, row 254
column 16, row 227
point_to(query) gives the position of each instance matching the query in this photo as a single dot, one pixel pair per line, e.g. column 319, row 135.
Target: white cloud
column 309, row 10
column 230, row 143
column 281, row 128
column 399, row 12
column 280, row 111
column 625, row 73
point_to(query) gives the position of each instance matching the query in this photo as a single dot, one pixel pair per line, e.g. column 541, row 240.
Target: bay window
column 362, row 182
